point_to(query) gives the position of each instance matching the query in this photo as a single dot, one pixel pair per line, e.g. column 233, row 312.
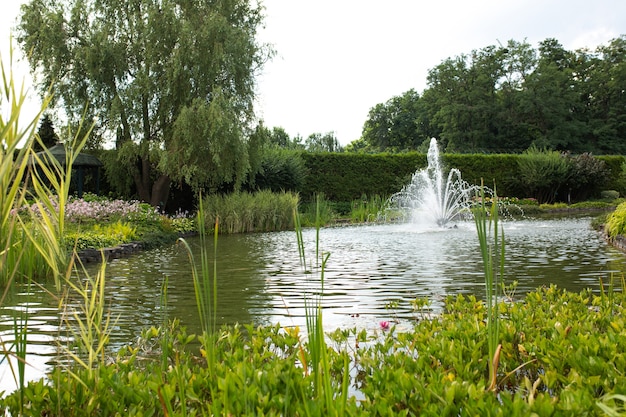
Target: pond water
column 372, row 274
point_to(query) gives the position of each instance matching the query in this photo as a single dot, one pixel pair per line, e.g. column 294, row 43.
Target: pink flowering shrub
column 79, row 210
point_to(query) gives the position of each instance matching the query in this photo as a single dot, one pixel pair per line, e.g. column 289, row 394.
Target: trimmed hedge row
column 347, row 176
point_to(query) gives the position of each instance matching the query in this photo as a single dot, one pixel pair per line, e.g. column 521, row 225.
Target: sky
column 337, row 59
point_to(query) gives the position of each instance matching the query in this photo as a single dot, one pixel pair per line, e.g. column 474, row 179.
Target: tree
column 396, row 125
column 605, row 97
column 171, row 81
column 46, row 133
column 551, row 99
column 316, row 142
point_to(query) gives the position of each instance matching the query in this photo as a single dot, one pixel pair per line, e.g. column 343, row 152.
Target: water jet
column 432, row 197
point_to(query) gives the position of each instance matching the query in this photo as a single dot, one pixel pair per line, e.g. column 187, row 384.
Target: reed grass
column 85, row 318
column 15, row 141
column 491, row 240
column 367, row 209
column 333, row 399
column 50, row 181
column 316, row 213
column 16, row 254
column 244, row 212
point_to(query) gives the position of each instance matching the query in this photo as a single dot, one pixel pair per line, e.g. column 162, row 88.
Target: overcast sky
column 336, row 59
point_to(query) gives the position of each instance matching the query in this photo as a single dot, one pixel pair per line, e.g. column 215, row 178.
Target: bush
column 542, row 173
column 609, row 195
column 588, row 175
column 616, row 222
column 281, row 170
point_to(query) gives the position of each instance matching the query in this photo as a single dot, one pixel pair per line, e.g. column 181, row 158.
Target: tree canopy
column 170, row 81
column 505, row 98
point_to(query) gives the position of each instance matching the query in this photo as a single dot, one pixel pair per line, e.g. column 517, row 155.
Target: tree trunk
column 155, row 193
column 142, row 180
column 160, row 192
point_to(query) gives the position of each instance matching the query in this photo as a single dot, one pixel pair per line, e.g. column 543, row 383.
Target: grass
column 330, row 399
column 368, row 209
column 491, row 240
column 243, row 212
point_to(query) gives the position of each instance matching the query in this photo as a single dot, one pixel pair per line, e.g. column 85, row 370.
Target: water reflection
column 261, row 280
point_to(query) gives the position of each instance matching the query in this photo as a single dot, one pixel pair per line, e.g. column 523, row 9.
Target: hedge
column 347, row 176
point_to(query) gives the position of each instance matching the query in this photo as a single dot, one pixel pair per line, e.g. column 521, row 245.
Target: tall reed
column 491, row 240
column 86, row 318
column 243, row 212
column 15, row 145
column 50, row 181
column 333, row 402
column 15, row 249
column 205, row 286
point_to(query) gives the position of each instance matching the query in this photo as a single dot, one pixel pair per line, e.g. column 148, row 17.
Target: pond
column 372, row 274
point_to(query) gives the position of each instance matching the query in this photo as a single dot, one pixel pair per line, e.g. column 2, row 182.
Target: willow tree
column 171, row 81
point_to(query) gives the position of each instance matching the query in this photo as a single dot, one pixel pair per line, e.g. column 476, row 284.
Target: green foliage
column 506, row 97
column 102, row 236
column 316, row 142
column 243, row 212
column 155, row 74
column 491, row 239
column 562, row 353
column 13, row 169
column 542, row 173
column 280, row 170
column 609, row 195
column 395, row 125
column 368, row 209
column 207, row 148
column 46, row 133
column 316, row 213
column 616, row 222
column 346, row 176
column 588, row 176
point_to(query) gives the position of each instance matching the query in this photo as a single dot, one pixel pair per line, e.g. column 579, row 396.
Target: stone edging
column 619, row 242
column 97, row 255
column 120, row 251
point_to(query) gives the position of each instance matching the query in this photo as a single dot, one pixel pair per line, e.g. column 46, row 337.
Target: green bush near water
column 562, row 353
column 615, row 224
column 243, row 212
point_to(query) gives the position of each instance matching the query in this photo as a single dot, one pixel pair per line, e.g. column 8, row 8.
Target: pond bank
column 123, row 250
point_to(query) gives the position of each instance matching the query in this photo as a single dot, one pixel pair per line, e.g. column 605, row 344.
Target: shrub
column 609, row 195
column 542, row 173
column 587, row 176
column 281, row 170
column 99, row 237
column 616, row 222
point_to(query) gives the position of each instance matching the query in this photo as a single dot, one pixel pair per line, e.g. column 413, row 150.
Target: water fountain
column 432, row 197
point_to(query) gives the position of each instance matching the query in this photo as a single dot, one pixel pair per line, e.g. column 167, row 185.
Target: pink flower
column 384, row 325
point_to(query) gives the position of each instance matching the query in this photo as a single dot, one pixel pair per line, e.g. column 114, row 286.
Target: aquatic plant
column 563, row 353
column 333, row 401
column 368, row 209
column 242, row 212
column 101, row 236
column 491, row 240
column 317, row 212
